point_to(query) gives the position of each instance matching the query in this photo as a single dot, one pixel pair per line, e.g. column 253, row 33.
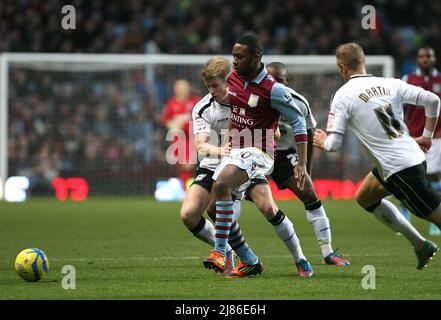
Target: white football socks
column 285, row 230
column 322, row 229
column 389, row 215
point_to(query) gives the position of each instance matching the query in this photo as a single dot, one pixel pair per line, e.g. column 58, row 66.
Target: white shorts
column 254, row 161
column 433, row 157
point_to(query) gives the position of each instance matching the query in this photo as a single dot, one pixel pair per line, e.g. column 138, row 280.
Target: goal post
column 46, row 87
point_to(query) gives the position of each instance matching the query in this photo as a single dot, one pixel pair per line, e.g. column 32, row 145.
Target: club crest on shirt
column 253, row 100
column 288, row 98
column 436, row 88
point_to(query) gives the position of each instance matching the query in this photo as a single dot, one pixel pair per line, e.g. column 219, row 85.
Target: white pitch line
column 202, row 257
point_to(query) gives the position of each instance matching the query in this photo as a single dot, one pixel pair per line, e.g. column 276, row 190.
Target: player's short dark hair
column 280, row 71
column 252, row 42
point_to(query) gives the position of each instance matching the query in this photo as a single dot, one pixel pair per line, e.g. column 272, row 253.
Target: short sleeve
column 201, row 124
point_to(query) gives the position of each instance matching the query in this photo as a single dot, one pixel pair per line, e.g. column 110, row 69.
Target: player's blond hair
column 351, row 55
column 216, row 67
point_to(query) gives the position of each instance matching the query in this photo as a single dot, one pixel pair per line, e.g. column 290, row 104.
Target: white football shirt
column 373, row 108
column 287, row 133
column 210, row 117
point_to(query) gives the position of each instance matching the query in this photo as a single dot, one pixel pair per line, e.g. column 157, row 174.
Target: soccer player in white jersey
column 373, row 108
column 210, row 116
column 283, row 173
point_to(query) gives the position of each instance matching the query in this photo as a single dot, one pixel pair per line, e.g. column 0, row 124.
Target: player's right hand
column 225, row 150
column 319, row 138
column 424, row 143
column 300, row 175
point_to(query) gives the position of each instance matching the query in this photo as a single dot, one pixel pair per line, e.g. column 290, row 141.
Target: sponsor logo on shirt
column 238, row 120
column 330, row 120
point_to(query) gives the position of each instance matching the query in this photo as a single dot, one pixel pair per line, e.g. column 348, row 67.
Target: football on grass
column 31, row 264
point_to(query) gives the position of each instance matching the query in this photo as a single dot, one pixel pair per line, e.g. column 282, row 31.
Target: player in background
column 256, row 102
column 428, row 78
column 177, row 116
column 283, row 174
column 210, row 115
column 372, row 108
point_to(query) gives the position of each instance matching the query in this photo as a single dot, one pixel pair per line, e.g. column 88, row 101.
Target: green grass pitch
column 136, row 248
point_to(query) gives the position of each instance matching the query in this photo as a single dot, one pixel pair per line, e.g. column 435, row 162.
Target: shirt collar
column 360, row 76
column 434, row 74
column 262, row 74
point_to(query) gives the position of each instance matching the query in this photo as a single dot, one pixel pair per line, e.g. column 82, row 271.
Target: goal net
column 98, row 116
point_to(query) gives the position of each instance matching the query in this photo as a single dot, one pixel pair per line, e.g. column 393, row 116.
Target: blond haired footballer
column 372, row 107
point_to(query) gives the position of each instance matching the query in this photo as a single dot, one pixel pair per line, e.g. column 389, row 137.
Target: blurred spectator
column 177, row 116
column 90, row 124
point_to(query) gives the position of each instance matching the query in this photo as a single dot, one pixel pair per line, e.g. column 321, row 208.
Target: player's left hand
column 424, row 143
column 300, row 175
column 277, row 134
column 319, row 138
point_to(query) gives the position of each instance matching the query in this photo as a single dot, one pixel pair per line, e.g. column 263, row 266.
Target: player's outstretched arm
column 331, row 142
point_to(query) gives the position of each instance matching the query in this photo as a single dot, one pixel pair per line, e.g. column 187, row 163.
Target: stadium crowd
column 116, row 126
column 198, row 26
column 79, row 124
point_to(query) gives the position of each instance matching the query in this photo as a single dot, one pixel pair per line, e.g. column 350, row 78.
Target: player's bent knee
column 222, row 189
column 362, row 203
column 268, row 211
column 190, row 218
column 362, row 199
column 211, row 211
column 308, row 196
column 367, row 205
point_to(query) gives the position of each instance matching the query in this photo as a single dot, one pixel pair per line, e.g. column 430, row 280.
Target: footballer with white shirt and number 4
column 373, row 108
